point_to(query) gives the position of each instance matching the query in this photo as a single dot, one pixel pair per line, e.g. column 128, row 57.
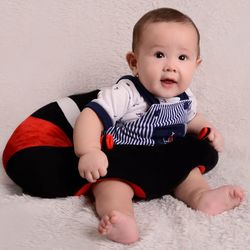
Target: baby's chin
column 169, row 94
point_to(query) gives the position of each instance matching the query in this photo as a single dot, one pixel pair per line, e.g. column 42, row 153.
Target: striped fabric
column 69, row 109
column 159, row 125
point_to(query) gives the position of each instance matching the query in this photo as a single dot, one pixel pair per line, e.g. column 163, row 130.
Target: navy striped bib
column 159, row 125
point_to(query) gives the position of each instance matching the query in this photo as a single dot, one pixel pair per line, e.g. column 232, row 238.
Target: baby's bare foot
column 119, row 227
column 221, row 199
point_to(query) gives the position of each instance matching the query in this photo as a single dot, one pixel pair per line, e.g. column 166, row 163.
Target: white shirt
column 124, row 103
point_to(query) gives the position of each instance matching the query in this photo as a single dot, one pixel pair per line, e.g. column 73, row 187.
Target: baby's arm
column 215, row 137
column 93, row 162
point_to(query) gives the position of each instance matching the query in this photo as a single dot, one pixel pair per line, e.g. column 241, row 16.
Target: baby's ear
column 132, row 62
column 198, row 61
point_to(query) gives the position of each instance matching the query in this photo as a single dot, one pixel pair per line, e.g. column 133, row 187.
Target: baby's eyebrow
column 184, row 49
column 157, row 46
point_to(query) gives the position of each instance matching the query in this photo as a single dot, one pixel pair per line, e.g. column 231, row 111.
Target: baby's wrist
column 89, row 151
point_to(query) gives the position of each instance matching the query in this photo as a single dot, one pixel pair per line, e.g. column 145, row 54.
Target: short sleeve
column 112, row 102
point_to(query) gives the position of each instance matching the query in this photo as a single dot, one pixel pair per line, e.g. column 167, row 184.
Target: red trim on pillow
column 34, row 132
column 139, row 192
column 202, row 169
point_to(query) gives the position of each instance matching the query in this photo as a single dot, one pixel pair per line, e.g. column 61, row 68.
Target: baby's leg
column 197, row 194
column 113, row 201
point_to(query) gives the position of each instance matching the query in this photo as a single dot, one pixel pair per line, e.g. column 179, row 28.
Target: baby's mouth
column 168, row 81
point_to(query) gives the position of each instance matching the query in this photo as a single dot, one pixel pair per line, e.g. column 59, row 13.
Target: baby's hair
column 161, row 15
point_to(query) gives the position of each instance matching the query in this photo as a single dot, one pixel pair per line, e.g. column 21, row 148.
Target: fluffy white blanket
column 70, row 224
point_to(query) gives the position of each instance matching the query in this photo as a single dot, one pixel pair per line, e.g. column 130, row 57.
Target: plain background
column 51, row 49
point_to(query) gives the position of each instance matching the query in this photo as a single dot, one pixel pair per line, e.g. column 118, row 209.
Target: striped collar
column 148, row 97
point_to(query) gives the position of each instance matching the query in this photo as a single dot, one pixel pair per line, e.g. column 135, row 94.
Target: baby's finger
column 219, row 142
column 219, row 146
column 103, row 171
column 211, row 136
column 82, row 174
column 95, row 174
column 89, row 176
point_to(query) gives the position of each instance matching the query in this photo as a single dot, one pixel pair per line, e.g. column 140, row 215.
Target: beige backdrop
column 53, row 48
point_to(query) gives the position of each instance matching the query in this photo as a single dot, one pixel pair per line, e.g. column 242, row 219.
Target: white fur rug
column 28, row 223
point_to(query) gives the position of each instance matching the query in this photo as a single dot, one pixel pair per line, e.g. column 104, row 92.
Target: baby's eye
column 159, row 54
column 183, row 57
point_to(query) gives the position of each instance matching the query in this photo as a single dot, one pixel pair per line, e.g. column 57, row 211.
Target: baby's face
column 167, row 57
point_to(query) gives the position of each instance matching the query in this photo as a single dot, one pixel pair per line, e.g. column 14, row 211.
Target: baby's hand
column 216, row 139
column 93, row 165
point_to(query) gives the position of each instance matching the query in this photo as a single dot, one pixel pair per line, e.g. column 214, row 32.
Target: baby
column 151, row 119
